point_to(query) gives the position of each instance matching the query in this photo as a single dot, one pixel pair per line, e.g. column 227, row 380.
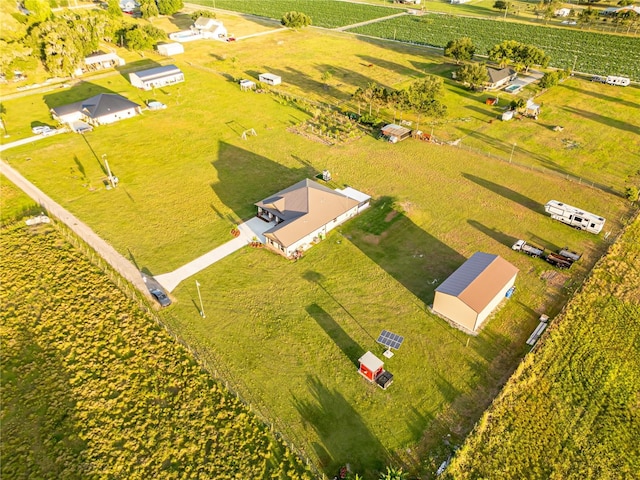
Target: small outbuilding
column 532, row 109
column 395, row 133
column 270, row 79
column 372, row 368
column 169, row 49
column 247, row 85
column 156, row 77
column 474, row 290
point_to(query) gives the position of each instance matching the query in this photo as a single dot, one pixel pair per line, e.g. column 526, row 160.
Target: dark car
column 161, row 297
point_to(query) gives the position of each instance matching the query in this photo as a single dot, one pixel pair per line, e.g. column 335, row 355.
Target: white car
column 39, row 129
column 43, row 130
column 569, row 22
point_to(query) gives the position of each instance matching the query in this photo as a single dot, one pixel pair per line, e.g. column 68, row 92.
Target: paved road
column 248, row 230
column 123, row 266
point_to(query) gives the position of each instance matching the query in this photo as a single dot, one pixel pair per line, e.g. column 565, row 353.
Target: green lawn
column 287, row 335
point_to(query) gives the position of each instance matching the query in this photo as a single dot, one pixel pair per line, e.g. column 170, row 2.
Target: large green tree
column 169, row 7
column 39, row 10
column 462, row 49
column 520, row 55
column 149, row 8
column 61, row 46
column 295, row 20
column 422, row 98
column 473, row 74
column 113, row 8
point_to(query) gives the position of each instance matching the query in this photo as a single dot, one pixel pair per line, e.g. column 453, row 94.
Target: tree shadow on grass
column 602, row 96
column 497, row 235
column 245, row 178
column 608, row 121
column 351, row 349
column 344, row 436
column 416, row 259
column 79, row 92
column 507, row 193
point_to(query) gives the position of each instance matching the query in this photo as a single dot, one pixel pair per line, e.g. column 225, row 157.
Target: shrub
column 295, row 20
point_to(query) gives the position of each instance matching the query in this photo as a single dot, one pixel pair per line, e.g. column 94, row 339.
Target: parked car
column 156, row 106
column 39, row 129
column 161, row 297
column 48, row 131
column 569, row 22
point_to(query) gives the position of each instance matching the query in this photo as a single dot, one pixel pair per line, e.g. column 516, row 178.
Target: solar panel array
column 390, row 340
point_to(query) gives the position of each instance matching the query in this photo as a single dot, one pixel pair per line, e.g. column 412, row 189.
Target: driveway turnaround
column 248, row 230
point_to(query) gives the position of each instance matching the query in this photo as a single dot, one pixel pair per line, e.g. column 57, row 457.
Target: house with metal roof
column 156, row 77
column 303, row 214
column 98, row 110
column 498, row 78
column 474, row 290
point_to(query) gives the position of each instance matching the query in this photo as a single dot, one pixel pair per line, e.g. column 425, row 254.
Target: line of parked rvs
column 574, row 217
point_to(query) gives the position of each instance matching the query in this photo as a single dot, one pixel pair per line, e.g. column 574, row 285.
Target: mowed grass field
column 287, row 336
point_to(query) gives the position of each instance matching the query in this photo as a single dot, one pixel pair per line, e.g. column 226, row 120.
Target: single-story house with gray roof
column 303, row 214
column 471, row 293
column 156, row 77
column 498, row 78
column 98, row 110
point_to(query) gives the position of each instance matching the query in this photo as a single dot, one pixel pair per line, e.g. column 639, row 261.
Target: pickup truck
column 530, row 250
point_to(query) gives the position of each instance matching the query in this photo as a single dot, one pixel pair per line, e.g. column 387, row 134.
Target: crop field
column 571, row 409
column 323, row 13
column 92, row 387
column 592, row 53
column 286, row 335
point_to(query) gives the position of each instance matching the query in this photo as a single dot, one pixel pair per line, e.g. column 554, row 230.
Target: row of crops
column 592, row 52
column 92, row 387
column 323, row 13
column 571, row 411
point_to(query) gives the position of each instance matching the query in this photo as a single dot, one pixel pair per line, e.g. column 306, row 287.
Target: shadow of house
column 245, row 178
column 351, row 349
column 344, row 436
column 182, row 21
column 80, row 91
column 507, row 193
column 403, row 249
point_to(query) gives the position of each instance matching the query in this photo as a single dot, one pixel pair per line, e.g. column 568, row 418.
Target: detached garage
column 474, row 290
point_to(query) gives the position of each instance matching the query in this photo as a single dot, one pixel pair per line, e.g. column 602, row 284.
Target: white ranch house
column 156, row 77
column 99, row 110
column 304, row 213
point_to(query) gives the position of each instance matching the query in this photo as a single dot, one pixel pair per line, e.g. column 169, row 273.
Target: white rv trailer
column 574, row 216
column 621, row 81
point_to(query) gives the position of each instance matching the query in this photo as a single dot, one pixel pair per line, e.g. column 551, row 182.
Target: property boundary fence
column 207, row 360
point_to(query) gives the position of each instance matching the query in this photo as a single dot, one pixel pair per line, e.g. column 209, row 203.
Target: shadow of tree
column 344, row 435
column 402, row 248
column 507, row 193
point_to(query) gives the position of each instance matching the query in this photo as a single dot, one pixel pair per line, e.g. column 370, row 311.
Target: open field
column 93, row 387
column 591, row 53
column 14, row 203
column 286, row 335
column 571, row 409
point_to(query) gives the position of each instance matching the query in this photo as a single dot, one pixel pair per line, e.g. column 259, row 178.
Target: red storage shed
column 370, row 366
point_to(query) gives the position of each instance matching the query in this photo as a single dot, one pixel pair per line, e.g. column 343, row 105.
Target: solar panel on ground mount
column 390, row 340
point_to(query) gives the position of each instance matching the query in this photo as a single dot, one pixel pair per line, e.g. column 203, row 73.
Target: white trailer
column 574, row 216
column 620, row 81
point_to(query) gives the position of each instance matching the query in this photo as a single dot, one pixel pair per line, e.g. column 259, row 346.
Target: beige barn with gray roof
column 474, row 290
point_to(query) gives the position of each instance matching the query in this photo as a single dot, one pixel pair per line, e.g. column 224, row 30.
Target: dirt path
column 119, row 263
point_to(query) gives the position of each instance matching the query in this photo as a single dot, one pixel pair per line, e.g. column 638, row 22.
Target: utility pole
column 200, row 297
column 106, row 164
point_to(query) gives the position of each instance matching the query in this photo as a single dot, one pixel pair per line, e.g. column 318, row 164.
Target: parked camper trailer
column 620, row 81
column 574, row 216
